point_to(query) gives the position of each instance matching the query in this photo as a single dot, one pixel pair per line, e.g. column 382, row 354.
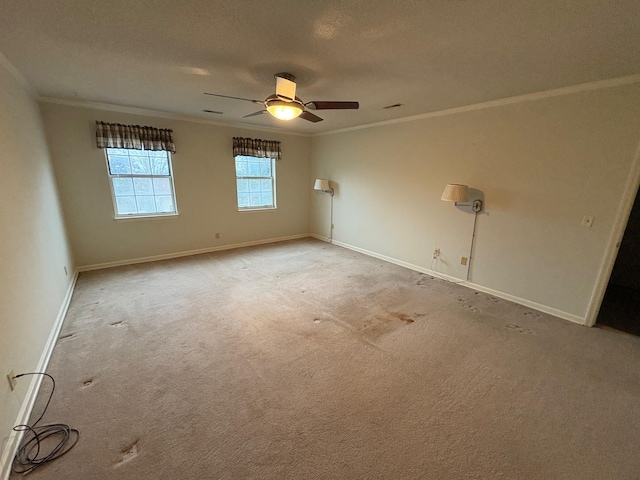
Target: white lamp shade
column 455, row 193
column 321, row 184
column 285, row 89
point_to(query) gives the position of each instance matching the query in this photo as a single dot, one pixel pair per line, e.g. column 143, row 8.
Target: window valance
column 116, row 135
column 255, row 147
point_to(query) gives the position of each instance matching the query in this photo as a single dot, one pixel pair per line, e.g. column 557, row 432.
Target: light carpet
column 304, row 360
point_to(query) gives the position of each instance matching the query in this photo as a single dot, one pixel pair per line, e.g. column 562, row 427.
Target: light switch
column 587, row 221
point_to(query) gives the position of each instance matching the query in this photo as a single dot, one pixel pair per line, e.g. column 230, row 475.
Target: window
column 255, row 182
column 141, row 182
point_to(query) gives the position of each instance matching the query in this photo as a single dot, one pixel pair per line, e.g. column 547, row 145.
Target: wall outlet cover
column 587, row 221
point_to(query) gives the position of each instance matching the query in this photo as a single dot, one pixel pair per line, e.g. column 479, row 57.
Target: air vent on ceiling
column 212, row 111
column 395, row 105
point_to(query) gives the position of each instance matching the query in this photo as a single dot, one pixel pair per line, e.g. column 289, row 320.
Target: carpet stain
column 129, row 453
column 316, row 320
column 381, row 325
column 88, row 382
column 472, row 308
column 532, row 314
column 117, row 324
column 403, row 317
column 68, row 335
column 520, row 329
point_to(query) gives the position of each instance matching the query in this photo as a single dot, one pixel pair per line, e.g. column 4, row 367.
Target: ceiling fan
column 284, row 104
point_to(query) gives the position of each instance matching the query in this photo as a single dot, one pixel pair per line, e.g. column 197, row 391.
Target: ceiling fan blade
column 310, row 116
column 259, row 112
column 317, row 105
column 235, row 98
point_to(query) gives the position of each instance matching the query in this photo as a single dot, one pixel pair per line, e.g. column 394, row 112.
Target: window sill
column 265, row 209
column 145, row 217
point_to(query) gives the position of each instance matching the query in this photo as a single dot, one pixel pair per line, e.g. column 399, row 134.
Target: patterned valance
column 254, row 147
column 135, row 137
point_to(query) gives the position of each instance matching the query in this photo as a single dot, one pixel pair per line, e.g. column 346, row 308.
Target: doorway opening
column 620, row 307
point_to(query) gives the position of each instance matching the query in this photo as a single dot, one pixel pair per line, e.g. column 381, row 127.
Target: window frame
column 146, row 215
column 272, row 177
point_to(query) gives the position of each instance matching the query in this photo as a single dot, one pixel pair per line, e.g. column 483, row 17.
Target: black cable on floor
column 28, row 456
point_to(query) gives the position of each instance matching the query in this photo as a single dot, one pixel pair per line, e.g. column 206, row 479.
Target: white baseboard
column 153, row 258
column 496, row 293
column 11, row 445
column 319, row 237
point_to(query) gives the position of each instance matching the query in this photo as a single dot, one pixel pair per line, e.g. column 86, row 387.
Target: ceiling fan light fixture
column 284, row 110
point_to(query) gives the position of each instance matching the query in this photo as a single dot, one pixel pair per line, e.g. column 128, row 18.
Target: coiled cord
column 28, row 456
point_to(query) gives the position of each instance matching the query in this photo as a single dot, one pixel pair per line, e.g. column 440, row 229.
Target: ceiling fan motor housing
column 285, row 87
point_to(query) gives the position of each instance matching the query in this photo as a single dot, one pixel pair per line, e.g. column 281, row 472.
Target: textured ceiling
column 427, row 55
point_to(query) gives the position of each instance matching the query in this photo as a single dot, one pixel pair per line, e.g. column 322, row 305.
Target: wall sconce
column 459, row 194
column 323, row 186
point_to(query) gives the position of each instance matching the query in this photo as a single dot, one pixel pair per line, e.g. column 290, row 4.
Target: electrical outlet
column 12, row 379
column 587, row 221
column 463, row 261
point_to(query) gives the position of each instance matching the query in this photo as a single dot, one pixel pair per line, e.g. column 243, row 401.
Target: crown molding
column 160, row 114
column 583, row 87
column 529, row 97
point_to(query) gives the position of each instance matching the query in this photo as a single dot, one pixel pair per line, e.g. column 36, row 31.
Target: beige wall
column 541, row 165
column 204, row 178
column 34, row 248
